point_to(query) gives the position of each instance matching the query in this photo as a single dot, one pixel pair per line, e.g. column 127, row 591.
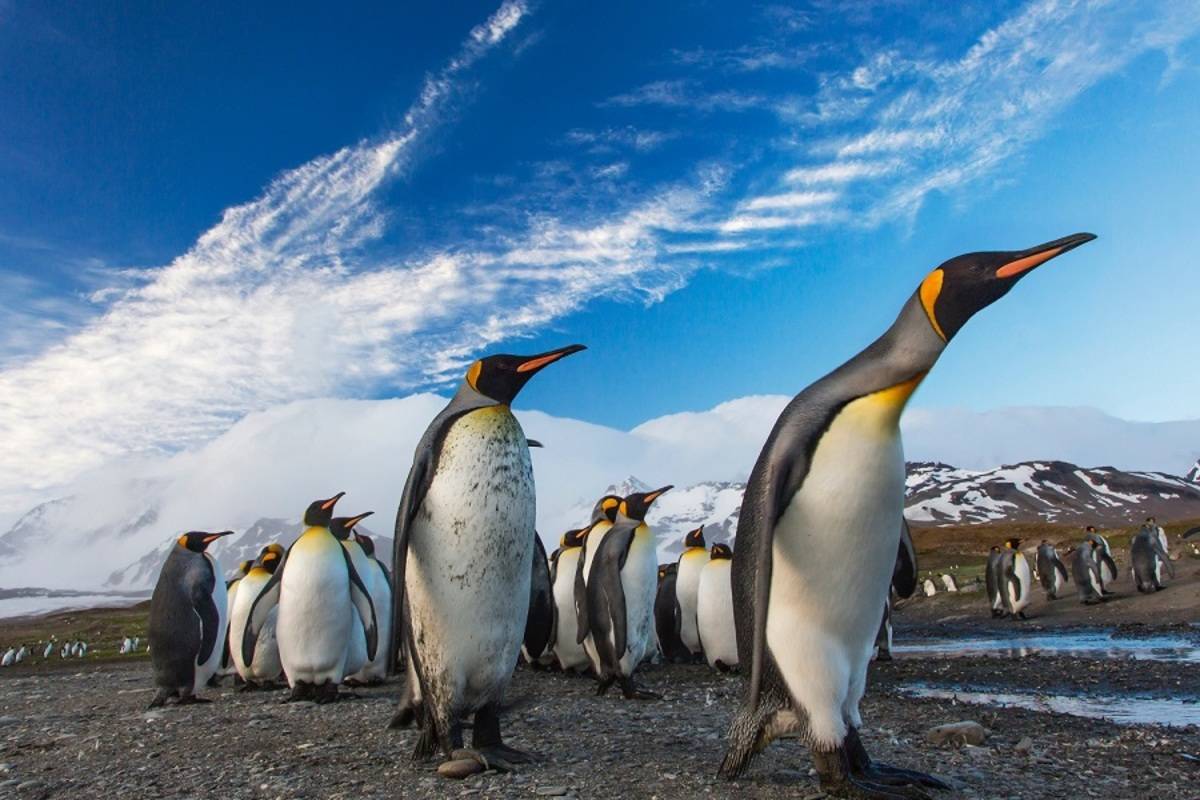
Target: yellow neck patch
column 931, row 287
column 473, row 374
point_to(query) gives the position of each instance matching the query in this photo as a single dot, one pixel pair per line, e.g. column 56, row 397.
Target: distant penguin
column 666, row 617
column 1152, row 522
column 1149, row 559
column 357, row 658
column 266, row 667
column 687, row 582
column 620, row 596
column 830, row 481
column 1085, row 570
column 22, row 654
column 231, row 587
column 461, row 560
column 1018, row 579
column 929, row 588
column 539, row 626
column 380, row 587
column 995, row 581
column 46, row 653
column 949, row 582
column 567, row 650
column 1106, row 567
column 905, row 575
column 1052, row 572
column 10, row 658
column 318, row 593
column 187, row 619
column 604, row 513
column 714, row 610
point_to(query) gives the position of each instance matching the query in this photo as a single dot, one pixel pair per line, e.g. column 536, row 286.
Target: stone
column 459, row 768
column 957, row 734
column 1024, row 747
column 550, row 791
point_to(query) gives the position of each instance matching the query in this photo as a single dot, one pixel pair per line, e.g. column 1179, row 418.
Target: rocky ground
column 74, row 731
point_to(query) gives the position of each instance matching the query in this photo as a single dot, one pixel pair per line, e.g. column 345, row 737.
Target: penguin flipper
column 366, row 609
column 1062, row 569
column 267, row 599
column 1162, row 554
column 1010, row 575
column 904, row 574
column 610, row 558
column 1192, row 532
column 210, row 619
column 1107, row 558
column 581, row 601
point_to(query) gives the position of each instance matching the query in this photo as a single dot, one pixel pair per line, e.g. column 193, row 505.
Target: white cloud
column 839, row 172
column 790, row 200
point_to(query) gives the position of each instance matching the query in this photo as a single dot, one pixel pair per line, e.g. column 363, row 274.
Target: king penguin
column 231, row 588
column 1149, row 557
column 266, row 667
column 1052, row 572
column 666, row 617
column 461, row 560
column 994, row 581
column 1086, row 573
column 1106, row 566
column 819, row 528
column 687, row 583
column 187, row 619
column 380, row 587
column 318, row 591
column 714, row 610
column 620, row 595
column 357, row 659
column 604, row 513
column 565, row 562
column 1016, row 579
column 904, row 585
column 538, row 641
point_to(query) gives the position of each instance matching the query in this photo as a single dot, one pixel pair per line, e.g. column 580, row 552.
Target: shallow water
column 1121, row 710
column 1082, row 644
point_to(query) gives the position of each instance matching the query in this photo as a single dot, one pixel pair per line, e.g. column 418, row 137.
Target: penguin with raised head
column 380, row 586
column 620, row 596
column 1017, row 579
column 567, row 649
column 1086, row 572
column 830, row 481
column 604, row 514
column 266, row 668
column 461, row 560
column 994, row 580
column 1106, row 566
column 1149, row 559
column 687, row 583
column 666, row 617
column 1052, row 572
column 318, row 591
column 714, row 610
column 187, row 619
column 231, row 588
column 904, row 585
column 539, row 626
column 357, row 658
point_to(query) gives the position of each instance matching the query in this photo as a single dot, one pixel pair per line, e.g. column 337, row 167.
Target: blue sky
column 211, row 210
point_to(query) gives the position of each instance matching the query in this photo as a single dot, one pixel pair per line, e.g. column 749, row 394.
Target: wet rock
column 1024, row 747
column 957, row 734
column 550, row 791
column 459, row 768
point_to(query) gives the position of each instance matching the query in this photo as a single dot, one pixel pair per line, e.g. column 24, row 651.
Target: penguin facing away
column 1086, row 572
column 1052, row 572
column 830, row 481
column 317, row 591
column 461, row 560
column 714, row 610
column 687, row 583
column 1149, row 557
column 187, row 619
column 357, row 659
column 666, row 617
column 905, row 575
column 620, row 596
column 994, row 580
column 1106, row 566
column 266, row 667
column 380, row 587
column 604, row 514
column 567, row 649
column 539, row 626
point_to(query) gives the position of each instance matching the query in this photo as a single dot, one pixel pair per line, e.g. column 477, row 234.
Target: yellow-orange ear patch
column 609, row 503
column 182, row 540
column 473, row 374
column 622, row 509
column 931, row 287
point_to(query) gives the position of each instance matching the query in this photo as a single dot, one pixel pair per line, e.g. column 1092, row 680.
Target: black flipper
column 581, row 598
column 606, row 583
column 1162, row 554
column 210, row 618
column 1192, row 532
column 904, row 574
column 1062, row 568
column 267, row 599
column 366, row 609
column 1010, row 576
column 539, row 626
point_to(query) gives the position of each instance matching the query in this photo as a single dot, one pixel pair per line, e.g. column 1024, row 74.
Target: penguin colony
column 821, row 549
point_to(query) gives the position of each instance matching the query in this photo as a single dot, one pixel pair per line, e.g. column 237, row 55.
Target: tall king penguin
column 819, row 529
column 687, row 583
column 463, row 548
column 620, row 596
column 604, row 514
column 567, row 648
column 1017, row 578
column 321, row 599
column 188, row 616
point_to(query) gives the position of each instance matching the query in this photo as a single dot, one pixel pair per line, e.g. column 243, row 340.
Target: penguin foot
column 191, row 700
column 499, row 757
column 1021, row 615
column 884, row 655
column 160, row 699
column 301, row 692
column 861, row 765
column 603, row 686
column 834, row 771
column 634, row 692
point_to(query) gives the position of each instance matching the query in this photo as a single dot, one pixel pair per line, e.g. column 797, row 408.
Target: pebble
column 957, row 733
column 550, row 791
column 1024, row 747
column 459, row 768
column 8, row 720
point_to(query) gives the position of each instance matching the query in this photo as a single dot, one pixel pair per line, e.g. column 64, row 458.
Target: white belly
column 220, row 599
column 834, row 551
column 570, row 655
column 468, row 562
column 1058, row 580
column 314, row 610
column 687, row 584
column 714, row 613
column 1021, row 568
column 639, row 580
column 266, row 666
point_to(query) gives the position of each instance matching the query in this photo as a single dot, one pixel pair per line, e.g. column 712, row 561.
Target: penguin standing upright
column 357, row 658
column 994, row 581
column 904, row 585
column 1149, row 557
column 620, row 595
column 604, row 514
column 714, row 610
column 567, row 649
column 1017, row 580
column 666, row 617
column 231, row 588
column 539, row 626
column 1106, row 566
column 1052, row 572
column 187, row 619
column 687, row 583
column 318, row 592
column 461, row 560
column 1086, row 572
column 380, row 587
column 819, row 527
column 266, row 667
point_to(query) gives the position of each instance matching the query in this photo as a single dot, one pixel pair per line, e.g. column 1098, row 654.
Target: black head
column 501, row 377
column 572, row 538
column 995, row 548
column 637, row 504
column 198, row 541
column 366, row 543
column 694, row 538
column 720, row 551
column 606, row 508
column 1090, row 529
column 1045, row 541
column 270, row 557
column 1151, row 521
column 320, row 512
column 966, row 284
column 1013, row 543
column 342, row 527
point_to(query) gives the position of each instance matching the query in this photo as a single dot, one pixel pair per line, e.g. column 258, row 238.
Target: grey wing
column 1010, row 575
column 904, row 575
column 1107, row 558
column 210, row 618
column 366, row 609
column 1162, row 554
column 1192, row 532
column 606, row 572
column 267, row 599
column 581, row 599
column 1061, row 567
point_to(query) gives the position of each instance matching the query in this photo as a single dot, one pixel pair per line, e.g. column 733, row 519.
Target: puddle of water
column 1095, row 645
column 1121, row 710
